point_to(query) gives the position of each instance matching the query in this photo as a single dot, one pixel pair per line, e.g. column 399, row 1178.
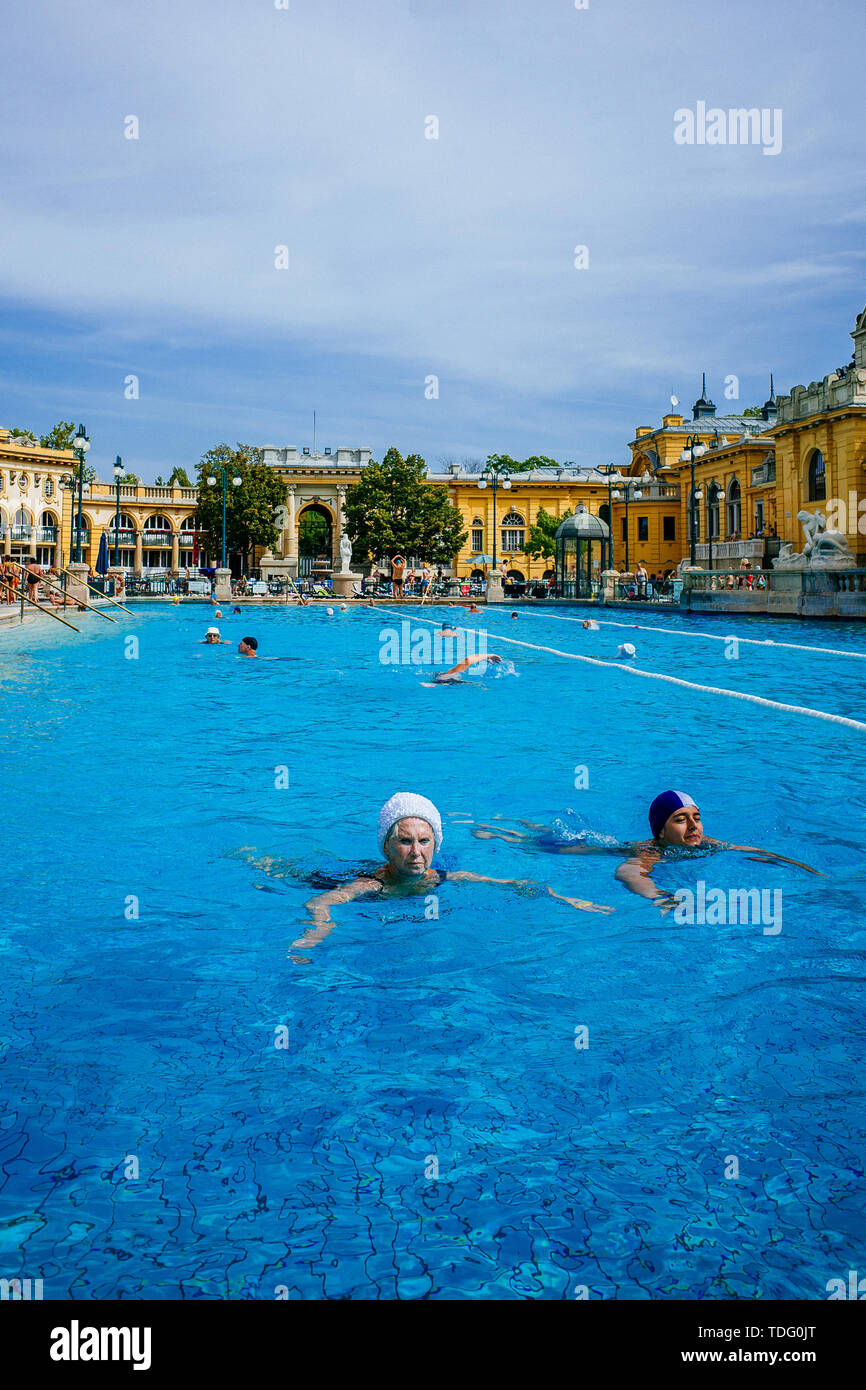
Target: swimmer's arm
column 636, row 874
column 766, row 856
column 470, row 661
column 522, row 883
column 320, row 906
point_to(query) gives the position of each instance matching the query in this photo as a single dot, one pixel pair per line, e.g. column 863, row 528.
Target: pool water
column 511, row 1099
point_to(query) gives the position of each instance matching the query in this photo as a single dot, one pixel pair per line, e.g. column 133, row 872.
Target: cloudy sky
column 413, row 257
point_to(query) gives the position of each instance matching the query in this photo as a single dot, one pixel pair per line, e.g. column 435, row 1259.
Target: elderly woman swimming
column 409, row 834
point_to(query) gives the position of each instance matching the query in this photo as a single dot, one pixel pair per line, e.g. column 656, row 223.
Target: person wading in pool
column 409, row 833
column 676, row 825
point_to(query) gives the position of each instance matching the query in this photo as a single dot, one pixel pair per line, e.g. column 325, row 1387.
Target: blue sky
column 412, row 257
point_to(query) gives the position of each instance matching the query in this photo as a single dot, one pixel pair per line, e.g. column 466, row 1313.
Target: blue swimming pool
column 511, row 1100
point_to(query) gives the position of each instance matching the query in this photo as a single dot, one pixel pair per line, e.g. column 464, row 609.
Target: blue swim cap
column 664, row 805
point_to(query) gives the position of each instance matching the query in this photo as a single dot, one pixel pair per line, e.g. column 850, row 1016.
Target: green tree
column 541, row 540
column 393, row 510
column 526, row 466
column 179, row 478
column 129, row 478
column 60, row 436
column 753, row 410
column 251, row 508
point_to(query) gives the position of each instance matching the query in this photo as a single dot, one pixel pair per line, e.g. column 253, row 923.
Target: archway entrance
column 315, row 537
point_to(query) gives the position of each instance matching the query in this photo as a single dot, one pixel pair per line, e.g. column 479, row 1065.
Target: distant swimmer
column 515, row 615
column 447, row 630
column 472, row 608
column 409, row 833
column 236, row 609
column 591, row 624
column 454, row 676
column 248, row 646
column 212, row 638
column 676, row 825
column 626, row 650
column 329, row 612
column 218, row 613
column 344, row 607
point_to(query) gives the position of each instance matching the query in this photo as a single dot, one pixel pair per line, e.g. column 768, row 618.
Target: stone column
column 175, row 554
column 76, row 583
column 223, row 586
column 136, row 569
column 338, row 528
column 290, row 549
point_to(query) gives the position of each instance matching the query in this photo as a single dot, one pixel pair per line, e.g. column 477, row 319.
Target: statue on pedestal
column 822, row 550
column 345, row 554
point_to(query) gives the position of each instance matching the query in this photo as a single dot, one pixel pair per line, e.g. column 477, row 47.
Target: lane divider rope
column 657, row 676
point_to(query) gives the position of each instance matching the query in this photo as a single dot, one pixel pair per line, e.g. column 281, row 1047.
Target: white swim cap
column 330, row 612
column 403, row 804
column 626, row 649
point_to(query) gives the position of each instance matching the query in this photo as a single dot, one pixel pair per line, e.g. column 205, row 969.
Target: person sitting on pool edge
column 675, row 822
column 248, row 646
column 409, row 833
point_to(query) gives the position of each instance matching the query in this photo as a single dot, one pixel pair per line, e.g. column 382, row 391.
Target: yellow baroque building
column 804, row 452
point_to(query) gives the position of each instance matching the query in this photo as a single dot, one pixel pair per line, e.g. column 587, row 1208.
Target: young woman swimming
column 677, row 830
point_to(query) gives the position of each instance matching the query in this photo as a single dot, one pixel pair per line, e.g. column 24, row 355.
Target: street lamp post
column 118, row 474
column 608, row 470
column 212, row 482
column 628, row 484
column 716, row 499
column 496, row 476
column 693, row 449
column 80, row 444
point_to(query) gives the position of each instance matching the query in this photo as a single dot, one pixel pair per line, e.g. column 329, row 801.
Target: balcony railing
column 46, row 535
column 125, row 538
column 85, row 537
column 731, row 550
column 764, row 473
column 151, row 538
column 22, row 533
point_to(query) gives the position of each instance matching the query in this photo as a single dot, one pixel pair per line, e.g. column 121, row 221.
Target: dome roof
column 583, row 525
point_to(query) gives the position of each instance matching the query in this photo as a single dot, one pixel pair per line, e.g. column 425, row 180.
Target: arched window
column 49, row 487
column 22, row 517
column 188, row 523
column 513, row 531
column 817, row 477
column 157, row 523
column 477, row 535
column 733, row 509
column 48, row 519
column 713, row 511
column 125, row 522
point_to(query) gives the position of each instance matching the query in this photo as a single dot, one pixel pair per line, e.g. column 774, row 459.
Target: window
column 157, row 523
column 669, row 528
column 624, row 531
column 477, row 539
column 759, row 516
column 695, row 515
column 733, row 509
column 49, row 487
column 643, row 528
column 513, row 532
column 713, row 511
column 817, row 477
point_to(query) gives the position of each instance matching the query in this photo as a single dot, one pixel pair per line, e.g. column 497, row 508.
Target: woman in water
column 409, row 834
column 676, row 826
column 675, row 822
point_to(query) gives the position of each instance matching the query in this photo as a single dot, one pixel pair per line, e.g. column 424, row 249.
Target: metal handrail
column 62, row 589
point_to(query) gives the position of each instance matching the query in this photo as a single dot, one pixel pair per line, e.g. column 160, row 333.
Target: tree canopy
column 526, row 466
column 394, row 510
column 60, row 436
column 251, row 508
column 541, row 540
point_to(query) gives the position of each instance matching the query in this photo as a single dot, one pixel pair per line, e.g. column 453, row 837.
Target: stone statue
column 822, row 549
column 345, row 554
